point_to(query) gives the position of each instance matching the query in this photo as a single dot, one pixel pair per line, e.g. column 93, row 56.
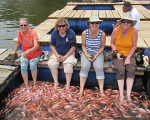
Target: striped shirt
column 93, row 45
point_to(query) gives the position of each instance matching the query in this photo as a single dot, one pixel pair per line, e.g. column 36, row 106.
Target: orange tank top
column 124, row 44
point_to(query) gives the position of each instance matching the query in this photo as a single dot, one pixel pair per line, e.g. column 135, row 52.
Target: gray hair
column 24, row 19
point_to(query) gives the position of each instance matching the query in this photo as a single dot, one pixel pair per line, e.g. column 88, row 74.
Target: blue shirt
column 63, row 44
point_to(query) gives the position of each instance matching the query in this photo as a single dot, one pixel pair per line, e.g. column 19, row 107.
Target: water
column 36, row 11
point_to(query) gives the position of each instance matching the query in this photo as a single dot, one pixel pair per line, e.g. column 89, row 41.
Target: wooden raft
column 68, row 12
column 43, row 64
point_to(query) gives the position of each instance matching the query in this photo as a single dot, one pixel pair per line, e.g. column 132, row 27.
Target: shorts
column 68, row 64
column 122, row 70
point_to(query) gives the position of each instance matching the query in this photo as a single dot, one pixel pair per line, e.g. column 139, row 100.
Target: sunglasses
column 126, row 21
column 94, row 22
column 61, row 26
column 23, row 25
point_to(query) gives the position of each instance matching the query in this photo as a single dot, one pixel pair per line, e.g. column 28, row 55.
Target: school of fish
column 46, row 103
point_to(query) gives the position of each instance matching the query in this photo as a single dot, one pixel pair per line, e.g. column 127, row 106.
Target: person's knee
column 52, row 65
column 24, row 68
column 120, row 74
column 33, row 67
column 68, row 68
column 131, row 73
column 98, row 68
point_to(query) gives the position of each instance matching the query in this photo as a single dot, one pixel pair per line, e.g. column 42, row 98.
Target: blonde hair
column 24, row 19
column 61, row 20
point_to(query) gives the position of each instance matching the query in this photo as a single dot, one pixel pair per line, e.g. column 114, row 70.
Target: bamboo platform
column 68, row 12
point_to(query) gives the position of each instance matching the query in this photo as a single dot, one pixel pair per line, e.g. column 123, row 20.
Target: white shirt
column 135, row 16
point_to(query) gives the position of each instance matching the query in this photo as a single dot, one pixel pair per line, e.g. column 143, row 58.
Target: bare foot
column 102, row 93
column 129, row 98
column 81, row 94
column 56, row 85
column 121, row 99
column 28, row 89
column 67, row 87
column 34, row 86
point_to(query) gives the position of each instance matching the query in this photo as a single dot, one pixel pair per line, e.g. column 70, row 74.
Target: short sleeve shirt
column 27, row 42
column 135, row 16
column 63, row 44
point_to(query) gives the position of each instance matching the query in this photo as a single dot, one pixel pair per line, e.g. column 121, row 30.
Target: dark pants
column 123, row 70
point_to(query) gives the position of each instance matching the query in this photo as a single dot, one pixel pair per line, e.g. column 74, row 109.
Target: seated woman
column 63, row 46
column 31, row 51
column 123, row 44
column 93, row 44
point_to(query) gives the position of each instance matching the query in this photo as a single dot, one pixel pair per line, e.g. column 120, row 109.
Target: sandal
column 12, row 57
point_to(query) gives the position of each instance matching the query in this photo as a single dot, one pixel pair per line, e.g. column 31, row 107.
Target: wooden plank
column 79, row 39
column 2, row 51
column 144, row 26
column 78, row 14
column 72, row 14
column 147, row 41
column 148, row 11
column 139, row 7
column 116, row 14
column 53, row 15
column 5, row 54
column 2, row 80
column 102, row 14
column 11, row 68
column 144, row 34
column 87, row 13
column 68, row 13
column 5, row 73
column 145, row 14
column 69, row 7
column 108, row 40
column 118, row 7
column 142, row 16
column 120, row 12
column 83, row 13
column 141, row 43
column 62, row 14
column 109, row 14
column 46, row 25
column 46, row 38
column 95, row 12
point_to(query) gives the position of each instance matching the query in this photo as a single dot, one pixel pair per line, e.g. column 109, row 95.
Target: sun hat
column 94, row 18
column 127, row 16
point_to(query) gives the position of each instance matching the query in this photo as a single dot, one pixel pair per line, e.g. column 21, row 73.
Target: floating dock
column 74, row 11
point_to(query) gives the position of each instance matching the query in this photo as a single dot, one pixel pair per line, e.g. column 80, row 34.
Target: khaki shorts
column 122, row 70
column 68, row 64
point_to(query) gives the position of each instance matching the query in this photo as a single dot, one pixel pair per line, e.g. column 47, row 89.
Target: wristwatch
column 115, row 51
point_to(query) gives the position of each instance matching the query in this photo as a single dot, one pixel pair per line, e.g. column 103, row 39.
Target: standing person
column 134, row 12
column 124, row 43
column 63, row 46
column 93, row 43
column 31, row 52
